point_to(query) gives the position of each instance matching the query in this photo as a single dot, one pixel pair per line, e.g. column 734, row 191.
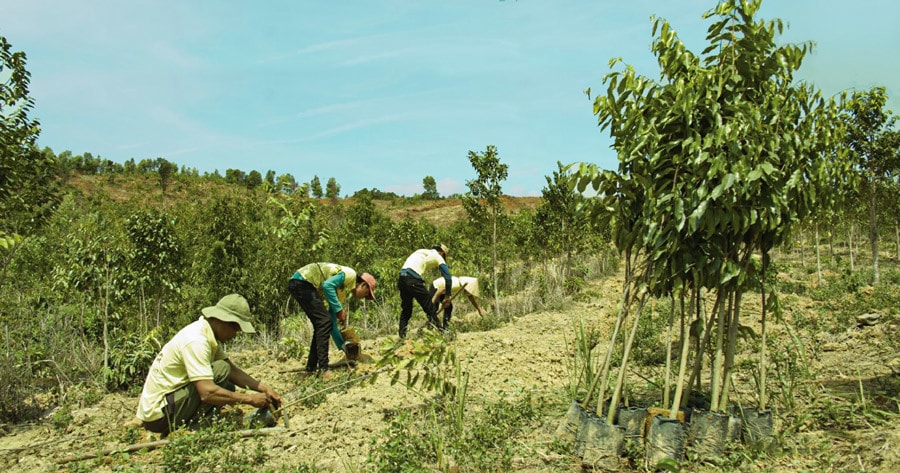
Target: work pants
column 414, row 288
column 184, row 407
column 308, row 298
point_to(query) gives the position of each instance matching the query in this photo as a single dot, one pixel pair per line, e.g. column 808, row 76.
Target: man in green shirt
column 312, row 284
column 192, row 376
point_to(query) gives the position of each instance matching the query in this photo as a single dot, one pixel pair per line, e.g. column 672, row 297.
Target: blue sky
column 379, row 94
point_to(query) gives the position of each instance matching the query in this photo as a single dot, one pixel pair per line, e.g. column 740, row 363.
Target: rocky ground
column 529, row 354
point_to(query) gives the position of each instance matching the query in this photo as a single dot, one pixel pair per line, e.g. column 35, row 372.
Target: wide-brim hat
column 370, row 281
column 232, row 308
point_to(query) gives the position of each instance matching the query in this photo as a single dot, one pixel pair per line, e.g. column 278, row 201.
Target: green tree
column 28, row 190
column 254, row 179
column 315, row 188
column 166, row 170
column 235, row 176
column 430, row 189
column 718, row 160
column 332, row 189
column 156, row 257
column 483, row 199
column 875, row 145
column 561, row 225
column 285, row 183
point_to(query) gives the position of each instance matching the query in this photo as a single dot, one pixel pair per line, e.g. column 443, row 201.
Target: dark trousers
column 184, row 407
column 305, row 294
column 414, row 288
column 448, row 312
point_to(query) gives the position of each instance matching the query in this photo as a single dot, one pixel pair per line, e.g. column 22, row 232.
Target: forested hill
column 147, row 190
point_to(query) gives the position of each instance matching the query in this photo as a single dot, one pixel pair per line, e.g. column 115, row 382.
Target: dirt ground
column 530, row 353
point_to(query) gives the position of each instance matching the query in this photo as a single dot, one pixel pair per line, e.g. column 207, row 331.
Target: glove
column 341, row 316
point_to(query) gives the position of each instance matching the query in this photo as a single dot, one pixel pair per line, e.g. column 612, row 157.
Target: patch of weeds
column 488, row 445
column 62, row 418
column 573, row 285
column 131, row 435
column 302, row 468
column 312, row 391
column 402, row 447
column 292, row 347
column 212, row 449
column 81, row 467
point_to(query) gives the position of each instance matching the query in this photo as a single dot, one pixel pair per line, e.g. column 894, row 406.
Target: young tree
column 28, row 189
column 286, row 184
column 235, row 176
column 254, row 179
column 560, row 223
column 718, row 160
column 430, row 189
column 332, row 189
column 484, row 198
column 315, row 187
column 876, row 150
column 166, row 170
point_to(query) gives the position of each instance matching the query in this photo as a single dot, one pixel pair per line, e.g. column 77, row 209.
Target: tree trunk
column 850, row 245
column 733, row 326
column 897, row 234
column 617, row 393
column 623, row 312
column 701, row 345
column 718, row 366
column 873, row 235
column 762, row 349
column 668, row 369
column 685, row 345
column 818, row 258
column 831, row 243
column 494, row 266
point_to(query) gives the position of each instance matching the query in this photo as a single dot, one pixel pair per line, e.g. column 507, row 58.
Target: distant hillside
column 146, row 189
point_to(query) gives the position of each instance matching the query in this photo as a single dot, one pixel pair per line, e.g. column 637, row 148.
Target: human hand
column 260, row 400
column 341, row 316
column 445, row 303
column 270, row 393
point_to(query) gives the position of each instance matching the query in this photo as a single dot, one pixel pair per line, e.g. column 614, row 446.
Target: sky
column 381, row 94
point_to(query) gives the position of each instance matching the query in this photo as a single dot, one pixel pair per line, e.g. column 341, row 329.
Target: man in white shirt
column 465, row 284
column 192, row 376
column 412, row 284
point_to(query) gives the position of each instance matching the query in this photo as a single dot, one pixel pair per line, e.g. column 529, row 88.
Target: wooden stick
column 154, row 445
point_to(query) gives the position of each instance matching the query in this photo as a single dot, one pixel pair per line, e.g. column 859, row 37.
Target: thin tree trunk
column 733, row 326
column 850, row 244
column 831, row 243
column 611, row 412
column 668, row 371
column 698, row 357
column 873, row 235
column 494, row 266
column 762, row 349
column 718, row 366
column 685, row 345
column 818, row 258
column 106, row 321
column 623, row 312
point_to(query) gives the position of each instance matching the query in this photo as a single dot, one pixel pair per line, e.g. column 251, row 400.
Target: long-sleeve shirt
column 334, row 283
column 422, row 260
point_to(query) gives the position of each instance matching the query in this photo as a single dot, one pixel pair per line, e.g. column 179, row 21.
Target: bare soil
column 531, row 353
